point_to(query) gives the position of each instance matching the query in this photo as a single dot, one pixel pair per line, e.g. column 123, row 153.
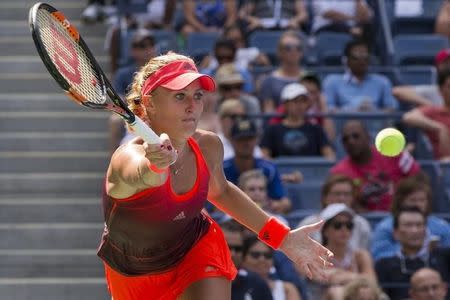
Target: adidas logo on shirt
column 180, row 216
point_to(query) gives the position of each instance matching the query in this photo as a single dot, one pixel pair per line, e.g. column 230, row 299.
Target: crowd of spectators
column 272, row 105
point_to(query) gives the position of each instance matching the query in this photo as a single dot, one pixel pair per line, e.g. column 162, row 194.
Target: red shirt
column 439, row 114
column 151, row 231
column 378, row 177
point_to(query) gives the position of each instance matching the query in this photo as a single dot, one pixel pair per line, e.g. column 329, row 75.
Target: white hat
column 334, row 209
column 292, row 91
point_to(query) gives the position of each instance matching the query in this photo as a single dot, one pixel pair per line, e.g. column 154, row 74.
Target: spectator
column 209, row 120
column 247, row 285
column 229, row 111
column 356, row 89
column 142, row 50
column 279, row 14
column 427, row 284
column 363, row 289
column 246, row 57
column 340, row 189
column 295, row 136
column 412, row 191
column 313, row 85
column 443, row 20
column 230, row 83
column 425, row 94
column 409, row 230
column 258, row 258
column 205, row 16
column 374, row 174
column 349, row 263
column 290, row 54
column 225, row 53
column 244, row 138
column 97, row 10
column 435, row 120
column 352, row 16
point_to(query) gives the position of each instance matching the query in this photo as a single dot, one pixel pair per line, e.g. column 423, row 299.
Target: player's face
column 341, row 192
column 176, row 112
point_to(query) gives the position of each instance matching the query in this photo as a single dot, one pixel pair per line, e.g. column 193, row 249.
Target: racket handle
column 141, row 129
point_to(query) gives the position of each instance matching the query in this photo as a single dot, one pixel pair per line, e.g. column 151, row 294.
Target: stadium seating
column 416, row 75
column 433, row 170
column 305, row 195
column 266, row 41
column 200, row 44
column 313, row 168
column 294, row 217
column 330, row 47
column 375, row 217
column 417, row 49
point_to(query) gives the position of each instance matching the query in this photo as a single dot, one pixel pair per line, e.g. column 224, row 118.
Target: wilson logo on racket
column 65, row 56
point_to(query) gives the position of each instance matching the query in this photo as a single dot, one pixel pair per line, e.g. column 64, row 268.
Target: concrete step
column 33, row 64
column 18, row 10
column 59, row 183
column 88, row 288
column 54, row 141
column 50, row 235
column 24, row 45
column 58, row 263
column 49, row 210
column 80, row 121
column 53, row 161
column 21, row 28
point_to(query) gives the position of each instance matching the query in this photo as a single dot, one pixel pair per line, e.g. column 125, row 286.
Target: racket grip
column 141, row 129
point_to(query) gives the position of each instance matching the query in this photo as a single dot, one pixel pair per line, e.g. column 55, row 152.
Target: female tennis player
column 158, row 243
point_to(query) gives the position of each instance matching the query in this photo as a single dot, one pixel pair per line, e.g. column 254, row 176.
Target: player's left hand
column 312, row 259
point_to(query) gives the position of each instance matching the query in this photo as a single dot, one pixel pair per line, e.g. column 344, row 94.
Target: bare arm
column 129, row 171
column 169, row 11
column 409, row 95
column 417, row 119
column 189, row 9
column 443, row 20
column 365, row 264
column 301, row 15
column 231, row 9
column 363, row 12
column 328, row 152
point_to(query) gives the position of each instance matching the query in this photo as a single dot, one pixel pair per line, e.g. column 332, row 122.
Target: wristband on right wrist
column 273, row 233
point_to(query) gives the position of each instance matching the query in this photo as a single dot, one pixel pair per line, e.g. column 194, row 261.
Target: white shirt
column 320, row 7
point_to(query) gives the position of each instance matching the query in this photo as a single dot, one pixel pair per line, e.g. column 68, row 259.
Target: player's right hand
column 161, row 155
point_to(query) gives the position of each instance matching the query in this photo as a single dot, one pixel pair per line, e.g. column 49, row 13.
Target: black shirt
column 248, row 285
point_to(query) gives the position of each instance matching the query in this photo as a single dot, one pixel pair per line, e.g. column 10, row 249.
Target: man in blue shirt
column 356, row 89
column 244, row 137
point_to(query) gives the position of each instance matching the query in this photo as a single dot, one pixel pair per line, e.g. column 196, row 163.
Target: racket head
column 70, row 62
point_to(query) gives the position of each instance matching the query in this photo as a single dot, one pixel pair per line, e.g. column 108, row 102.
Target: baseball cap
column 176, row 76
column 441, row 56
column 335, row 209
column 292, row 91
column 243, row 128
column 228, row 74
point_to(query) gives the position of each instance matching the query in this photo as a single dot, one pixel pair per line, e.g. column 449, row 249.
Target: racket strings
column 69, row 58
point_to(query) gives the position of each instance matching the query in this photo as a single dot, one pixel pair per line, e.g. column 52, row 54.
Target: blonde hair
column 134, row 98
column 351, row 290
column 227, row 105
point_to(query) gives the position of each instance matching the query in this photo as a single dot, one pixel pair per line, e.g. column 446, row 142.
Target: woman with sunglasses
column 258, row 258
column 158, row 243
column 349, row 263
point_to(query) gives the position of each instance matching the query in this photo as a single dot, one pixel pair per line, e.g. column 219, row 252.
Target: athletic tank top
column 151, row 231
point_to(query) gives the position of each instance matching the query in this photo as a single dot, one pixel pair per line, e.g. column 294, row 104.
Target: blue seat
column 330, row 47
column 415, row 75
column 266, row 41
column 200, row 44
column 305, row 195
column 417, row 49
column 312, row 168
column 424, row 149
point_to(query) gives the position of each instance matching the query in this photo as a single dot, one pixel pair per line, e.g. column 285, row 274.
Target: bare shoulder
column 211, row 147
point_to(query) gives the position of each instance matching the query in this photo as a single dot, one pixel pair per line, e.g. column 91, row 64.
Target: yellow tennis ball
column 390, row 142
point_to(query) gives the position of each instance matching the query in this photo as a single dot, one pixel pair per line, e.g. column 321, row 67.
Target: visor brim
column 180, row 82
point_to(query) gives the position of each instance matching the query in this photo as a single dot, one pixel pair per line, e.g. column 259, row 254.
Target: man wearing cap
column 295, row 136
column 244, row 137
column 425, row 93
column 435, row 119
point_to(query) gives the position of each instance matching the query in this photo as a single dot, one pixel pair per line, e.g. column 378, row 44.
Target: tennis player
column 158, row 243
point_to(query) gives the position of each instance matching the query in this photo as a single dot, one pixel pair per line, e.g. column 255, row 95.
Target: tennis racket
column 69, row 60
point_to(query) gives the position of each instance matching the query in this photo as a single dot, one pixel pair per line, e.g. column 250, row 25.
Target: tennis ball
column 390, row 142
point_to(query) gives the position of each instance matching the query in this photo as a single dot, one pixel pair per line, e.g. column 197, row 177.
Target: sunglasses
column 231, row 87
column 338, row 225
column 354, row 136
column 258, row 254
column 235, row 248
column 291, row 47
column 359, row 57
